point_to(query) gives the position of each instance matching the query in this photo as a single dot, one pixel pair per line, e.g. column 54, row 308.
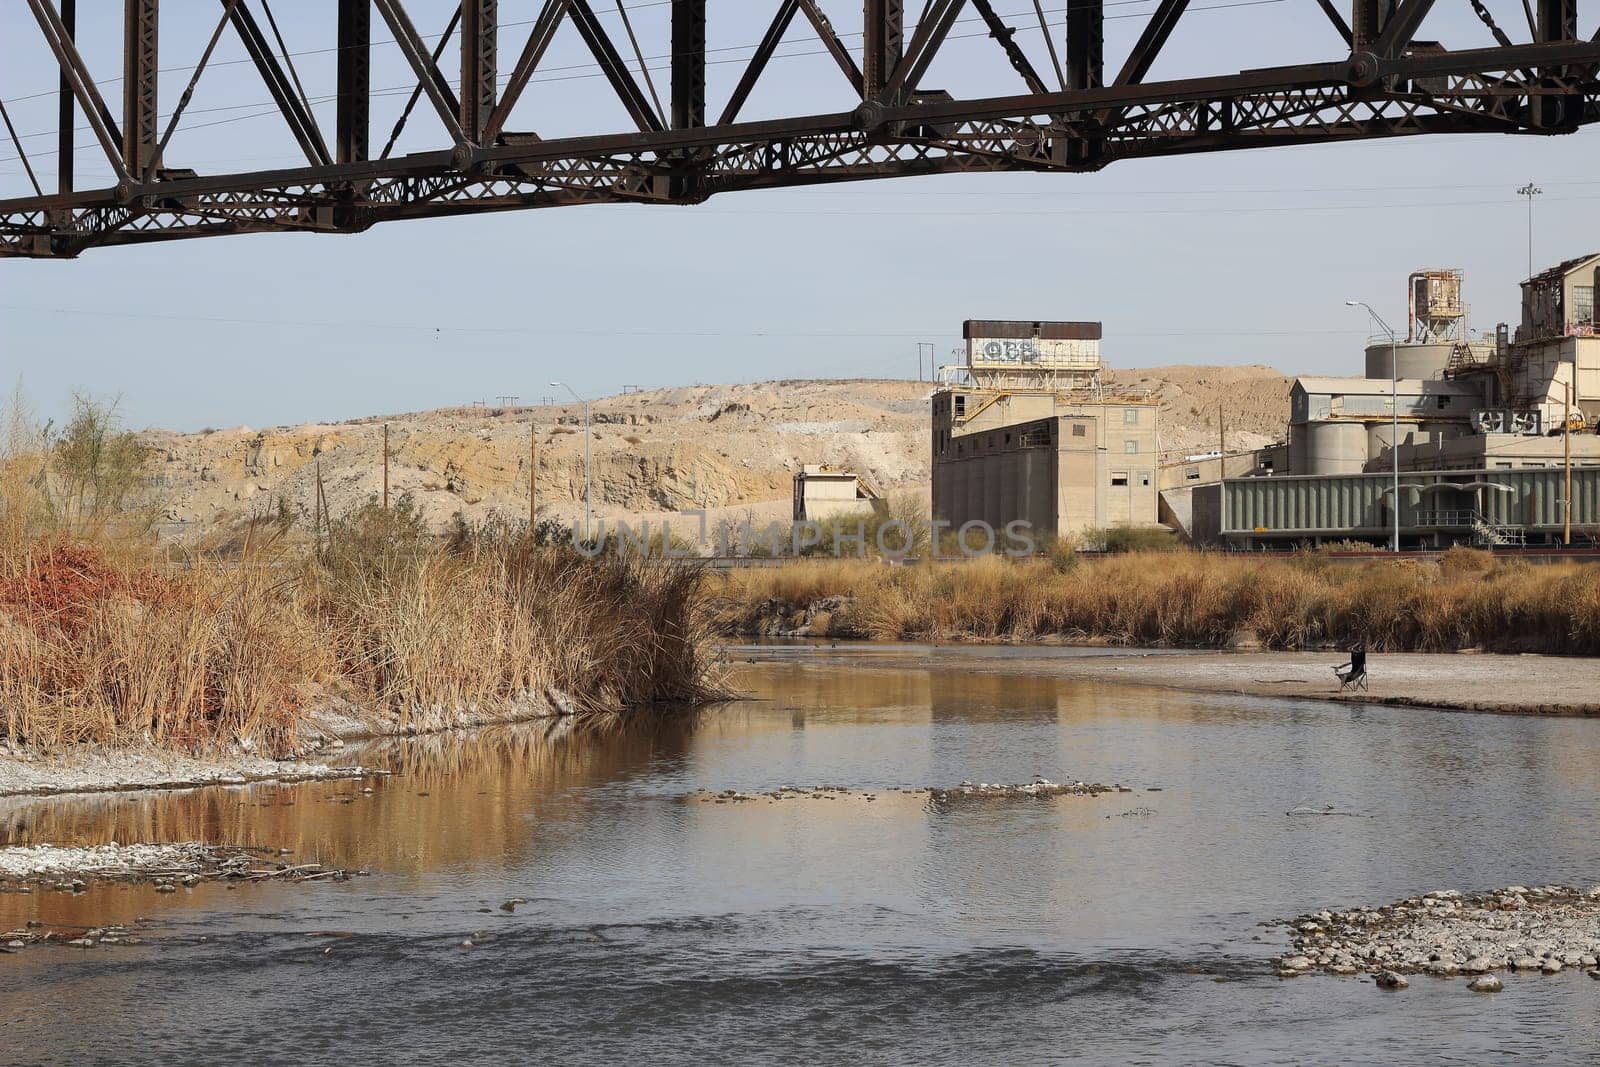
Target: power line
column 523, row 331
column 1046, row 213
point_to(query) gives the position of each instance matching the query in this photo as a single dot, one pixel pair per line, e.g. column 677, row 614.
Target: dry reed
column 1467, row 599
column 106, row 637
column 207, row 654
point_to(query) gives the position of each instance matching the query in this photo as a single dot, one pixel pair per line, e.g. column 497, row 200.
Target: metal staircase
column 1486, row 534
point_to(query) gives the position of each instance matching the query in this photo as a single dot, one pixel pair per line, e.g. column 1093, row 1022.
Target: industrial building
column 823, row 493
column 1486, row 432
column 1024, row 430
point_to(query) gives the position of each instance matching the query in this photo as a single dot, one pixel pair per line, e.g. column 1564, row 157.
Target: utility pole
column 319, row 509
column 931, row 351
column 1530, row 191
column 386, row 466
column 1222, row 473
column 1566, row 445
column 533, row 476
column 588, row 464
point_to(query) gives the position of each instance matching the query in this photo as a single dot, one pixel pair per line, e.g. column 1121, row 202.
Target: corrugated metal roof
column 1377, row 386
column 1561, row 270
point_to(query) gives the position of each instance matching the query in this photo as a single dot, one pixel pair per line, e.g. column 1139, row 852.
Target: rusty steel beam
column 353, row 124
column 884, row 33
column 1151, row 41
column 66, row 106
column 1338, row 21
column 787, row 9
column 1367, row 19
column 539, row 38
column 1558, row 20
column 141, row 28
column 886, row 128
column 84, row 91
column 429, row 78
column 302, row 123
column 1086, row 44
column 480, row 72
column 688, row 64
column 1007, row 35
column 830, row 40
column 937, row 19
column 614, row 67
column 1402, row 26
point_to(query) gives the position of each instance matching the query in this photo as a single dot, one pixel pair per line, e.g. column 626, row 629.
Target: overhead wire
column 557, row 331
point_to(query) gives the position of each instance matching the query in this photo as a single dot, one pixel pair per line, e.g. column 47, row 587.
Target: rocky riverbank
column 92, row 769
column 25, row 868
column 1448, row 933
column 326, row 729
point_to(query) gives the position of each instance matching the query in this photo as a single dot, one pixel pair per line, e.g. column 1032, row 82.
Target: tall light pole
column 1394, row 404
column 588, row 467
column 929, row 346
column 1530, row 191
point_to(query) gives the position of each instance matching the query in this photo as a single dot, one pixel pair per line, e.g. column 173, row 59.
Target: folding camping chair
column 1353, row 675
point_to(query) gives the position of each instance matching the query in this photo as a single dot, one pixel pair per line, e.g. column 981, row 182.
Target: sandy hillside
column 1256, row 400
column 729, row 448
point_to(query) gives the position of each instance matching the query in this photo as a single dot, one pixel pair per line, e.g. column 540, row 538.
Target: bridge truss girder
column 1387, row 85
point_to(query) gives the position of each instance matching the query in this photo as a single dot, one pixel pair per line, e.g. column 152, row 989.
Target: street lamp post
column 1530, row 191
column 588, row 466
column 1394, row 406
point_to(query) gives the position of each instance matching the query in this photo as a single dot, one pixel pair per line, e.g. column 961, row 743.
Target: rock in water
column 1391, row 980
column 1485, row 983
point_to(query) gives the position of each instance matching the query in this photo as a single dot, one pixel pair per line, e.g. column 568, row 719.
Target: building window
column 1144, row 479
column 1130, row 416
column 1444, row 402
column 1191, row 475
column 1582, row 304
column 961, row 407
column 1119, row 478
column 1008, row 439
column 1131, row 447
column 1078, row 429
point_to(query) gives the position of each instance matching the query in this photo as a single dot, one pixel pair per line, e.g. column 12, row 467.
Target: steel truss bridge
column 1382, row 81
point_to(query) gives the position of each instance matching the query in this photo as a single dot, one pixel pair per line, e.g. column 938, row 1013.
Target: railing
column 1449, row 517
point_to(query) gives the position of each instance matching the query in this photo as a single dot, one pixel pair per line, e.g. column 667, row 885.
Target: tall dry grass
column 106, row 636
column 1465, row 600
column 207, row 653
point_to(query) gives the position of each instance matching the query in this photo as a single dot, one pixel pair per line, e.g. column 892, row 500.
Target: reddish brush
column 61, row 585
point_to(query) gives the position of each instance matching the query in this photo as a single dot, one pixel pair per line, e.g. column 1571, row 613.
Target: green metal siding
column 1350, row 502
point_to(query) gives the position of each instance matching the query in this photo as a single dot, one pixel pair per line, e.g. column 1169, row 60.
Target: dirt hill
column 726, row 448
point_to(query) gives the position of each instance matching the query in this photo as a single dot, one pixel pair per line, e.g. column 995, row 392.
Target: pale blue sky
column 1242, row 257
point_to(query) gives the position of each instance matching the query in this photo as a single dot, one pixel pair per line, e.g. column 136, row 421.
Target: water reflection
column 1023, row 930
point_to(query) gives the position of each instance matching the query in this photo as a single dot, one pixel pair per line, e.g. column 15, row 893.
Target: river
column 1122, row 928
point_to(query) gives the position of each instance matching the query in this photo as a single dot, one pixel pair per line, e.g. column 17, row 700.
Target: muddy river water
column 1122, row 928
